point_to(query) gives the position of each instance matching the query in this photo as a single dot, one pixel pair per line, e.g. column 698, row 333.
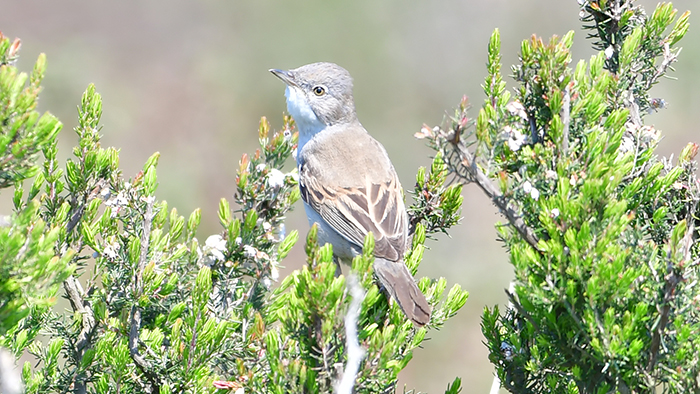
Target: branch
column 135, row 318
column 476, row 175
column 566, row 119
column 145, row 241
column 515, row 304
column 76, row 296
column 671, row 282
column 355, row 352
column 669, row 58
column 135, row 314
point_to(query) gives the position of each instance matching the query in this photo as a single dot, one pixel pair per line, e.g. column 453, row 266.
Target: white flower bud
column 275, row 178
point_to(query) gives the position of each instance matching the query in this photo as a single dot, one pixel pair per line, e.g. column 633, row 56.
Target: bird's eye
column 319, row 90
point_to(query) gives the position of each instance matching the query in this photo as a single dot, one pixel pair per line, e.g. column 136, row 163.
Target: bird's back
column 326, row 162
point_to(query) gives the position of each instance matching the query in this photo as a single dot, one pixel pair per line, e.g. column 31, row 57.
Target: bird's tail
column 398, row 281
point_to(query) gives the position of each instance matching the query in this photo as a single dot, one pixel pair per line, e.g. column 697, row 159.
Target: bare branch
column 135, row 314
column 672, row 279
column 669, row 58
column 355, row 352
column 135, row 318
column 476, row 175
column 76, row 296
column 566, row 119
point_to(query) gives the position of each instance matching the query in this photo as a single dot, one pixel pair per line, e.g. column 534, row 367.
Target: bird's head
column 318, row 95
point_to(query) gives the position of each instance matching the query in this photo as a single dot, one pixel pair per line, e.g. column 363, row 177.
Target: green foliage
column 153, row 309
column 30, row 271
column 24, row 132
column 310, row 305
column 436, row 204
column 602, row 233
column 455, row 387
column 638, row 48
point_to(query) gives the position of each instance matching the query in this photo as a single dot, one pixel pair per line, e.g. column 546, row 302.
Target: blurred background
column 189, row 79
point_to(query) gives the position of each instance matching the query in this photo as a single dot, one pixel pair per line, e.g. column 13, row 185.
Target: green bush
column 154, row 310
column 601, row 232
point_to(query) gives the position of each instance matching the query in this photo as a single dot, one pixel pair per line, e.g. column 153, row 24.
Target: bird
column 348, row 184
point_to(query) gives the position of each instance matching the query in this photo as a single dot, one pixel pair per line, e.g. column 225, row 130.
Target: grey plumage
column 348, row 184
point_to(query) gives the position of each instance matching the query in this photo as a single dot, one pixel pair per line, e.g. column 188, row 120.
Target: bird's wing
column 355, row 211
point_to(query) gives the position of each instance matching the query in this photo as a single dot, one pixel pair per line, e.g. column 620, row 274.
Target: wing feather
column 353, row 212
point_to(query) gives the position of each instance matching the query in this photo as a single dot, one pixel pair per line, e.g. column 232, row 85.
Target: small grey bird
column 347, row 181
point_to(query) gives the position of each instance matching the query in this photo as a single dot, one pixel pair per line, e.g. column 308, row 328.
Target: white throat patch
column 305, row 118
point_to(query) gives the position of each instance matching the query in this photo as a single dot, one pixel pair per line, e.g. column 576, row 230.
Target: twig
column 672, row 279
column 514, row 304
column 669, row 58
column 76, row 213
column 135, row 314
column 533, row 129
column 566, row 119
column 355, row 352
column 634, row 110
column 145, row 241
column 76, row 296
column 495, row 195
column 135, row 318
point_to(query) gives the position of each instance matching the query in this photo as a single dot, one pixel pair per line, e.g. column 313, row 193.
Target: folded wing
column 353, row 212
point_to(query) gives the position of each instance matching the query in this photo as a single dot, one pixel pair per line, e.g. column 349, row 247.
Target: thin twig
column 671, row 282
column 669, row 58
column 566, row 119
column 135, row 318
column 145, row 241
column 514, row 304
column 76, row 296
column 495, row 195
column 75, row 215
column 534, row 135
column 355, row 352
column 135, row 314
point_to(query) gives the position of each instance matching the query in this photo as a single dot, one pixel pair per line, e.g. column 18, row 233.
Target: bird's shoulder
column 346, row 154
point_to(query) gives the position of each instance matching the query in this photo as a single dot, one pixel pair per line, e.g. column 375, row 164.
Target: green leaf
column 224, row 213
column 193, row 223
column 286, row 245
column 455, row 387
column 202, row 287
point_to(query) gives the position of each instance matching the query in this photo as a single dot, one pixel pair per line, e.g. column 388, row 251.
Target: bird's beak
column 286, row 76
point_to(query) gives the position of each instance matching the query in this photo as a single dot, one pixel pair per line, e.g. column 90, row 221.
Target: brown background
column 189, row 79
